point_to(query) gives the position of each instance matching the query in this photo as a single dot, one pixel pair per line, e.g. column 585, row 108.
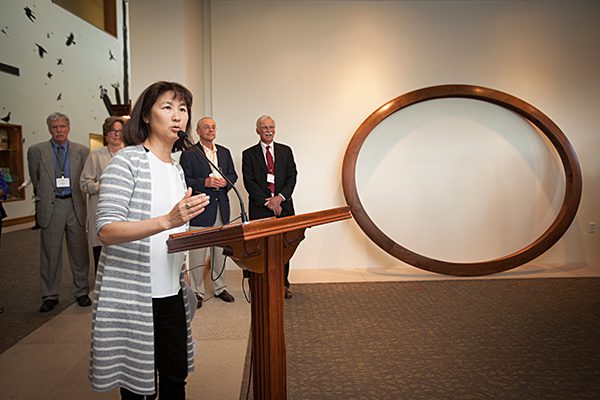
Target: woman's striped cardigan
column 122, row 347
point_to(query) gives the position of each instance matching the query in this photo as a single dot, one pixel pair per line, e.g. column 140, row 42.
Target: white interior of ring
column 459, row 180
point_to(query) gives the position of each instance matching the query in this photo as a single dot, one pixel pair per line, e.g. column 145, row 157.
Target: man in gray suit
column 55, row 168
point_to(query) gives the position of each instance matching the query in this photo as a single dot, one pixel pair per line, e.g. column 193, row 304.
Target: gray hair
column 56, row 115
column 262, row 118
column 202, row 119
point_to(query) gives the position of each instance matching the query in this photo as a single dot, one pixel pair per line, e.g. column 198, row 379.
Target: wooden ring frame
column 558, row 227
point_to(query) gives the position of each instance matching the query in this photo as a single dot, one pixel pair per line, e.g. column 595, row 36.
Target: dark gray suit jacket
column 40, row 159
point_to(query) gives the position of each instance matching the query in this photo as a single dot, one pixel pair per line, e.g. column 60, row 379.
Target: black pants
column 286, row 274
column 170, row 349
column 96, row 250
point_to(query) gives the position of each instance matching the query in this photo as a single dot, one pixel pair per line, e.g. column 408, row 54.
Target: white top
column 167, row 190
column 212, row 156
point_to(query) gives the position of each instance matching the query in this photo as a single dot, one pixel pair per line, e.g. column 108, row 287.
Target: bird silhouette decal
column 29, row 13
column 59, row 61
column 5, row 31
column 111, row 56
column 71, row 39
column 105, row 99
column 49, row 75
column 59, row 98
column 6, row 118
column 117, row 93
column 41, row 50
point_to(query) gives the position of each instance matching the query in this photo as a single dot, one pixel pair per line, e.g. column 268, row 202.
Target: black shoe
column 287, row 294
column 48, row 305
column 225, row 296
column 84, row 301
column 200, row 299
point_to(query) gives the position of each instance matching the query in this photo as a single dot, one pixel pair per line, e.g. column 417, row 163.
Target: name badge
column 271, row 178
column 63, row 182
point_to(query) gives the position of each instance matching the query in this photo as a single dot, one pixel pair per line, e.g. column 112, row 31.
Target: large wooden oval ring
column 566, row 214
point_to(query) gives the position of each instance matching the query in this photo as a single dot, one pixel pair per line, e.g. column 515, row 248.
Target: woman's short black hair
column 136, row 130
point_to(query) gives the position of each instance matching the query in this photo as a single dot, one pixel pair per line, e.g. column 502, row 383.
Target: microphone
column 183, row 136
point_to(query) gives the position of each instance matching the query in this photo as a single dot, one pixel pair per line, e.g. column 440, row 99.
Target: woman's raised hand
column 186, row 209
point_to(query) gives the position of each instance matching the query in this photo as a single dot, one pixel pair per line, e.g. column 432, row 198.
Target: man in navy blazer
column 270, row 178
column 201, row 177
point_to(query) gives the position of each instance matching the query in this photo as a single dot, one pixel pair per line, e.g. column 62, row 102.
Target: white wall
column 157, row 43
column 32, row 96
column 320, row 68
column 166, row 44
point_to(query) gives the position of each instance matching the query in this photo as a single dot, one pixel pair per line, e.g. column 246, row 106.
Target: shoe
column 225, row 296
column 200, row 299
column 48, row 305
column 287, row 294
column 84, row 301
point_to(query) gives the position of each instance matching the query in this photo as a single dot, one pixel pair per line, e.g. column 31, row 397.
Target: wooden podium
column 262, row 247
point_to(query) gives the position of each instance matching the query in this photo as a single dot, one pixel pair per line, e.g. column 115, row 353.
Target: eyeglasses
column 115, row 132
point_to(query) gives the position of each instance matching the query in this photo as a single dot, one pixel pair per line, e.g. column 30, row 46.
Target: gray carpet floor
column 20, row 294
column 457, row 339
column 460, row 339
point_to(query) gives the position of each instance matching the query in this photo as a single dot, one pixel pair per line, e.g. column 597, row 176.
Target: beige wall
column 166, row 44
column 485, row 184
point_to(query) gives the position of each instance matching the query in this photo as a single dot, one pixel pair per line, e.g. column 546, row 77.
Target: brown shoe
column 48, row 305
column 84, row 301
column 225, row 296
column 287, row 294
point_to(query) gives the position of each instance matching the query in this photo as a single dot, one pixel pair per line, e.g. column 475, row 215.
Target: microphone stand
column 183, row 136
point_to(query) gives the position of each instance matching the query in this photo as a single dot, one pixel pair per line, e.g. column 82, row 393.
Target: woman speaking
column 140, row 320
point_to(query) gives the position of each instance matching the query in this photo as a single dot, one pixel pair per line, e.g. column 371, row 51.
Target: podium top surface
column 221, row 235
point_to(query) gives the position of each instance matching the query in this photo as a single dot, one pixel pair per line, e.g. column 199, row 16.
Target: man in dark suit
column 55, row 168
column 201, row 177
column 269, row 178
